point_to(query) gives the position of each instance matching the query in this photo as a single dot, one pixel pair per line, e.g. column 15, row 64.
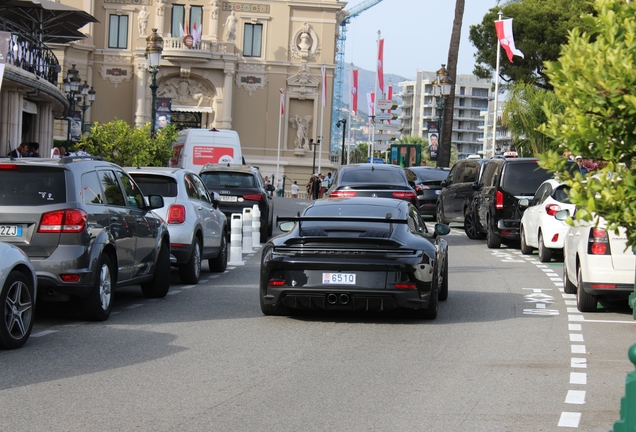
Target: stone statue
column 214, row 19
column 160, row 7
column 301, row 124
column 142, row 21
column 203, row 99
column 214, row 9
column 230, row 27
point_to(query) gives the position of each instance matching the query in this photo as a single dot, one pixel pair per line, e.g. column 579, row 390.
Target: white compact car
column 539, row 228
column 198, row 229
column 597, row 265
column 18, row 291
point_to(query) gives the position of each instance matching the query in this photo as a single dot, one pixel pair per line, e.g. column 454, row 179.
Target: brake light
column 603, row 286
column 555, row 238
column 63, row 221
column 423, row 187
column 342, row 194
column 176, row 214
column 499, row 201
column 70, row 277
column 276, row 282
column 405, row 195
column 405, row 286
column 552, row 209
column 8, row 167
column 598, row 242
column 253, row 197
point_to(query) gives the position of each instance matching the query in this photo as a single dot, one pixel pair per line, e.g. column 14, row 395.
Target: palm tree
column 443, row 158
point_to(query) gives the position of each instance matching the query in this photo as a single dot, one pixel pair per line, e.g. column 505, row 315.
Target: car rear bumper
column 508, row 228
column 65, row 260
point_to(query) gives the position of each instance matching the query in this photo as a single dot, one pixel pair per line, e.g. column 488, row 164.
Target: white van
column 194, row 148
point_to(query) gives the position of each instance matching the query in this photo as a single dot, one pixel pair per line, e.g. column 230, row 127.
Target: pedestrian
column 20, row 152
column 315, row 189
column 295, row 189
column 279, row 187
column 322, row 185
column 309, row 186
column 579, row 162
column 34, row 149
column 327, row 182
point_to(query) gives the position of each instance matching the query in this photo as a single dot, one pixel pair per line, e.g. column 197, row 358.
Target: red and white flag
column 354, row 91
column 381, row 66
column 324, row 85
column 371, row 103
column 506, row 39
column 196, row 32
column 389, row 96
column 282, row 102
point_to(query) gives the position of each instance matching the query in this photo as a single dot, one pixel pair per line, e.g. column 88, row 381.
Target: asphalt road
column 506, row 353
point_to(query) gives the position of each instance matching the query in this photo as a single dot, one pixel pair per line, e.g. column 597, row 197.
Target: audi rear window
column 156, row 185
column 523, row 178
column 215, row 180
column 31, row 185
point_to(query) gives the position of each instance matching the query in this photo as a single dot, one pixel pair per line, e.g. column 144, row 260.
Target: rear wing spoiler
column 280, row 219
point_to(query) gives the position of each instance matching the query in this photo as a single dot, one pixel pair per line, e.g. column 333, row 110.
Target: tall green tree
column 595, row 77
column 540, row 28
column 444, row 152
column 127, row 145
column 526, row 109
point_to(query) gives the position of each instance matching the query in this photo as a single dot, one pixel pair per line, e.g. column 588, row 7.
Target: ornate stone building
column 227, row 75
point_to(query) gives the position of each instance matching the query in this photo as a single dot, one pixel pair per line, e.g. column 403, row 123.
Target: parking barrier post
column 247, row 230
column 627, row 423
column 256, row 227
column 236, row 229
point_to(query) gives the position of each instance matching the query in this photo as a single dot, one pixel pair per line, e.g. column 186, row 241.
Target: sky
column 416, row 35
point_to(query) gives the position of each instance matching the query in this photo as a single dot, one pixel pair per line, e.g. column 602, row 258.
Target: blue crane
column 338, row 103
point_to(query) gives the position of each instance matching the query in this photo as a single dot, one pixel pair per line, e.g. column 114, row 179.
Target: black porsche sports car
column 355, row 254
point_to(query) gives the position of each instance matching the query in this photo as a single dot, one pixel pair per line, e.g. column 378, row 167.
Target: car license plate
column 339, row 278
column 436, row 192
column 10, row 230
column 228, row 198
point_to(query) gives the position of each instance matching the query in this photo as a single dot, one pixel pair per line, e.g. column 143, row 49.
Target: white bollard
column 247, row 230
column 236, row 226
column 256, row 227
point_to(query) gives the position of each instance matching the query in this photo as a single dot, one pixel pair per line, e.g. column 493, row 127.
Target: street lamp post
column 88, row 97
column 77, row 93
column 315, row 144
column 441, row 88
column 343, row 123
column 154, row 48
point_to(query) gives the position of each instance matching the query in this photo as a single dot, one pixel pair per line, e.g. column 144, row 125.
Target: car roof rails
column 75, row 158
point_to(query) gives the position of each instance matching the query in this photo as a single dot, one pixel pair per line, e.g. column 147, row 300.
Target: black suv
column 373, row 180
column 240, row 186
column 86, row 228
column 456, row 197
column 496, row 203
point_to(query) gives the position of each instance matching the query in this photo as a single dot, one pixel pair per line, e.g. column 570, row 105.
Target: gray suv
column 87, row 229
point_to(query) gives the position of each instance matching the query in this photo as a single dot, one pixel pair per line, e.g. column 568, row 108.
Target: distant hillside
column 366, row 84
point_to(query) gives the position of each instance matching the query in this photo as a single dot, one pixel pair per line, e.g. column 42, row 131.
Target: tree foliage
column 127, row 145
column 595, row 77
column 525, row 111
column 540, row 28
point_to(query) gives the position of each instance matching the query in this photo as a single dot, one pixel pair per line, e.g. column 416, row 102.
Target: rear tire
column 584, row 302
column 160, row 284
column 99, row 303
column 443, row 292
column 438, row 215
column 219, row 264
column 17, row 310
column 568, row 287
column 525, row 249
column 191, row 271
column 493, row 241
column 470, row 226
column 545, row 254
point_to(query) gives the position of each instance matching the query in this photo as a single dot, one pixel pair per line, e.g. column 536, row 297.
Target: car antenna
column 388, row 216
column 298, row 214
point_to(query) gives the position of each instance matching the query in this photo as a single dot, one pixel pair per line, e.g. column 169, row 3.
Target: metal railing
column 33, row 57
column 175, row 43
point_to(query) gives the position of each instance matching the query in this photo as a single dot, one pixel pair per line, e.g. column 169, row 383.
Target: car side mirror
column 216, row 199
column 286, row 226
column 441, row 229
column 562, row 215
column 476, row 186
column 155, row 202
column 524, row 203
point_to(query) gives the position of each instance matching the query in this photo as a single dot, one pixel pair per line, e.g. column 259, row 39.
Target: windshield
column 376, row 176
column 215, row 180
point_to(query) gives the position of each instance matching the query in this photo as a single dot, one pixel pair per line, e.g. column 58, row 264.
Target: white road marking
column 133, row 306
column 540, row 306
column 612, row 322
column 575, row 327
column 569, row 296
column 173, row 292
column 43, row 333
column 573, row 310
column 578, row 378
column 570, row 302
column 576, row 318
column 576, row 397
column 578, row 349
column 578, row 363
column 570, row 419
column 187, row 287
column 576, row 337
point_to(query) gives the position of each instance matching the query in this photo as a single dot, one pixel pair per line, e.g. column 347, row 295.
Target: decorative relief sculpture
column 301, row 124
column 186, row 92
column 304, row 44
column 142, row 21
column 303, row 84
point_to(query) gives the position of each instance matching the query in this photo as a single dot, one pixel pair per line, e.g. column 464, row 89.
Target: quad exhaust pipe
column 333, row 299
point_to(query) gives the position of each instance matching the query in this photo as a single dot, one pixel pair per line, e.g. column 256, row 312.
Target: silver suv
column 87, row 229
column 198, row 229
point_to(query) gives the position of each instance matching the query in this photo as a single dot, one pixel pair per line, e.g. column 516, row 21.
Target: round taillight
column 598, row 233
column 598, row 248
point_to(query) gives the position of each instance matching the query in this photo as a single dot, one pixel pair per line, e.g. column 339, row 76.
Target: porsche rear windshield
column 376, row 176
column 31, row 185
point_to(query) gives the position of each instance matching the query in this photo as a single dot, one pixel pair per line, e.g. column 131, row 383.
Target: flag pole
column 494, row 113
column 280, row 119
column 322, row 114
column 375, row 100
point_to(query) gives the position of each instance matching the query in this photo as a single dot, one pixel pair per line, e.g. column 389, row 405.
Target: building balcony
column 175, row 49
column 33, row 57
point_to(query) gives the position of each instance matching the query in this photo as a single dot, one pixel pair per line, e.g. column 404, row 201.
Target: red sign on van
column 202, row 155
column 174, row 161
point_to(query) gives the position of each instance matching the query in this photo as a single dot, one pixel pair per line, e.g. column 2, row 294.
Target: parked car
column 18, row 292
column 597, row 265
column 87, row 229
column 372, row 180
column 496, row 204
column 355, row 254
column 239, row 187
column 539, row 228
column 198, row 229
column 454, row 202
column 427, row 182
